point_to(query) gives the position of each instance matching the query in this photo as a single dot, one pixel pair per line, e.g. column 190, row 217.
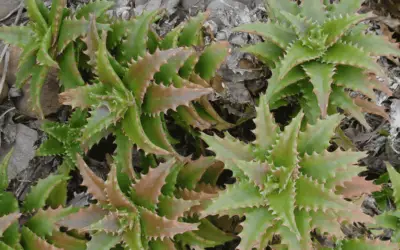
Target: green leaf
column 43, row 222
column 132, row 127
column 97, row 8
column 274, row 32
column 37, row 196
column 296, row 55
column 66, row 241
column 347, row 54
column 239, row 195
column 364, row 244
column 266, row 51
column 50, row 147
column 316, row 137
column 36, row 16
column 38, row 79
column 336, row 27
column 69, row 74
column 191, row 174
column 373, row 44
column 4, row 170
column 30, row 241
column 190, row 33
column 55, row 17
column 26, row 63
column 228, row 147
column 313, row 9
column 346, row 7
column 170, row 40
column 274, row 8
column 103, row 241
column 20, row 36
column 155, row 131
column 321, row 77
column 395, row 180
column 340, row 98
column 211, row 59
column 134, row 46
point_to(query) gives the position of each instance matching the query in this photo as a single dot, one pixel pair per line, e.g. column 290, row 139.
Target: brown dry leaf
column 356, row 187
column 371, row 107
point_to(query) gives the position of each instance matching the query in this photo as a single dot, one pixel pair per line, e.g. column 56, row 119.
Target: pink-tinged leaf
column 156, row 227
column 115, row 196
column 372, row 108
column 7, row 220
column 148, row 66
column 173, row 208
column 147, row 190
column 255, row 171
column 160, row 98
column 65, row 241
column 32, row 241
column 83, row 218
column 109, row 224
column 95, row 185
column 356, row 187
column 192, row 172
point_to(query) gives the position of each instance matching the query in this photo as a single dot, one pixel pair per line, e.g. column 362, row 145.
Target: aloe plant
column 319, row 51
column 38, row 230
column 44, row 40
column 288, row 183
column 132, row 92
column 147, row 212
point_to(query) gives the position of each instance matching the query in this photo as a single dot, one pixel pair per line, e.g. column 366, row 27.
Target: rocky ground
column 242, row 76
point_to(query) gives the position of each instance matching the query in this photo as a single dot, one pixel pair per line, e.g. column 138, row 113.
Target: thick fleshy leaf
column 303, row 222
column 43, row 222
column 326, row 221
column 266, row 130
column 156, row 227
column 64, row 241
column 341, row 99
column 256, row 223
column 356, row 187
column 348, row 54
column 154, row 128
column 274, row 32
column 37, row 196
column 36, row 16
column 395, row 179
column 148, row 65
column 284, row 153
column 132, row 127
column 282, row 206
column 134, row 46
column 173, row 208
column 190, row 33
column 191, row 173
column 39, row 76
column 27, row 62
column 257, row 172
column 133, row 236
column 354, row 78
column 316, row 137
column 346, row 7
column 266, row 51
column 313, row 9
column 228, row 147
column 115, row 196
column 326, row 165
column 371, row 108
column 73, row 28
column 83, row 96
column 160, row 98
column 314, row 196
column 295, row 55
column 123, row 160
column 240, row 195
column 364, row 244
column 8, row 220
column 55, row 17
column 69, row 74
column 211, row 59
column 30, row 241
column 274, row 8
column 336, row 27
column 83, row 218
column 373, row 44
column 321, row 77
column 147, row 190
column 96, row 186
column 97, row 8
column 50, row 147
column 103, row 241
